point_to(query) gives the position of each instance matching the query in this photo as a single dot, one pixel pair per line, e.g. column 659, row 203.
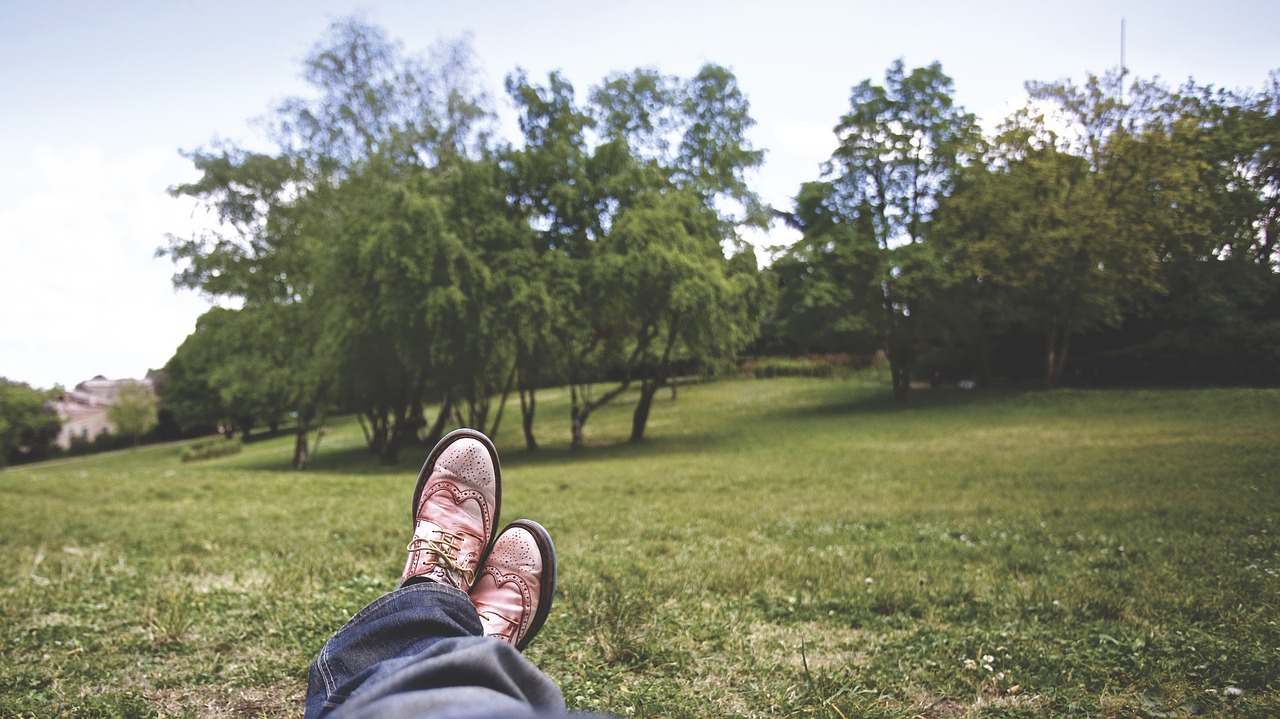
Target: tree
column 392, row 144
column 408, row 306
column 1088, row 197
column 189, row 391
column 133, row 411
column 556, row 183
column 899, row 147
column 662, row 230
column 235, row 370
column 832, row 270
column 685, row 304
column 27, row 425
column 293, row 226
column 1216, row 321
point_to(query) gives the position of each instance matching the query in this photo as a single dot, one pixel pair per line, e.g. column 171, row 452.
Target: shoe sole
column 425, row 474
column 547, row 582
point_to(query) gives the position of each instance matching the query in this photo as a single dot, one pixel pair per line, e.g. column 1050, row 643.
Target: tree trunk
column 301, row 459
column 901, row 376
column 477, row 413
column 901, row 358
column 984, row 359
column 378, row 435
column 1059, row 344
column 577, row 418
column 395, row 424
column 579, row 411
column 650, row 386
column 640, row 417
column 502, row 403
column 528, row 406
column 437, row 429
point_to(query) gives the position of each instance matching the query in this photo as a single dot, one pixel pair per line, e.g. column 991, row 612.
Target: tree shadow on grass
column 358, row 460
column 919, row 400
column 361, row 461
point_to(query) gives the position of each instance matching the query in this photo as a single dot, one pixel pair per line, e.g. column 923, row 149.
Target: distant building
column 83, row 410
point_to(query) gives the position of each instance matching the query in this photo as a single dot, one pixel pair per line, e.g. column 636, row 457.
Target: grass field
column 787, row 547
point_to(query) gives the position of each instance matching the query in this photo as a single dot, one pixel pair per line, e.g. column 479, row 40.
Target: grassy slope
column 782, row 547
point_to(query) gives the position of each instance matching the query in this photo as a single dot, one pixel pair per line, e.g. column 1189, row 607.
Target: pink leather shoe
column 515, row 587
column 455, row 510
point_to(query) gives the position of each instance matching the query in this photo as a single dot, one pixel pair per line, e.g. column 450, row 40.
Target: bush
column 210, row 449
column 104, row 442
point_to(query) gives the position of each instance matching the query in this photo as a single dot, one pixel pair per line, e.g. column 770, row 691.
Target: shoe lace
column 443, row 551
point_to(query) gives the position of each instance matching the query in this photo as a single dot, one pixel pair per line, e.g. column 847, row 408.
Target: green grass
column 790, row 547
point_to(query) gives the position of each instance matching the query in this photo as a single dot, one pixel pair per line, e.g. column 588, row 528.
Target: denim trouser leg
column 420, row 652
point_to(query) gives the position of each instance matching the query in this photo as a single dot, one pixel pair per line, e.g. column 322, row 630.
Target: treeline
column 394, row 252
column 1135, row 220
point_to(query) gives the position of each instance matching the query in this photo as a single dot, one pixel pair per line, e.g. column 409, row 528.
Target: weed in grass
column 171, row 618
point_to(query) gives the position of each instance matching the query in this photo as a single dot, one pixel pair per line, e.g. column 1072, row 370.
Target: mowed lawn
column 786, row 547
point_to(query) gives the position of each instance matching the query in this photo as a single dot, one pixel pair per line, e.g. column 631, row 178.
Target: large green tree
column 899, row 147
column 661, row 293
column 237, row 370
column 644, row 151
column 1089, row 195
column 664, row 276
column 253, row 255
column 323, row 240
column 557, row 182
column 1218, row 318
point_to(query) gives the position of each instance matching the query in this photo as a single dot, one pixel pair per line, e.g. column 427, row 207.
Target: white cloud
column 80, row 289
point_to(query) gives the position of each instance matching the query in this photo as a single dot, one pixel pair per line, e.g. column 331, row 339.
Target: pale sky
column 96, row 99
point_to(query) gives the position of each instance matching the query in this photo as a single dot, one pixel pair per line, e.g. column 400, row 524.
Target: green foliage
column 337, row 244
column 133, row 411
column 641, row 190
column 391, row 252
column 27, row 425
column 240, row 368
column 899, row 147
column 1114, row 553
column 1136, row 218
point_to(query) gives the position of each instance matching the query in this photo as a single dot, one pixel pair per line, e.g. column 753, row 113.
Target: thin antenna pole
column 1122, row 68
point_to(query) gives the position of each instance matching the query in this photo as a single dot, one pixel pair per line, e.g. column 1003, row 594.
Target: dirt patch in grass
column 272, row 701
column 818, row 645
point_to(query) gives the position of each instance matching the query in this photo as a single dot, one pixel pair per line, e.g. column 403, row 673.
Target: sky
column 97, row 101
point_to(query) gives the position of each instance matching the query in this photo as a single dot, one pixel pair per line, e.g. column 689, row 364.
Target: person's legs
column 422, row 650
column 419, row 652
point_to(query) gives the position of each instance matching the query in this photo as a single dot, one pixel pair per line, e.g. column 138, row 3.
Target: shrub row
column 209, row 449
column 817, row 365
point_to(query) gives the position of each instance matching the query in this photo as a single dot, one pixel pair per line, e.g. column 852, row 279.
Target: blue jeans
column 421, row 652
